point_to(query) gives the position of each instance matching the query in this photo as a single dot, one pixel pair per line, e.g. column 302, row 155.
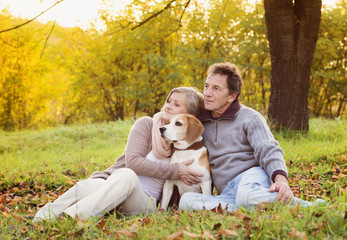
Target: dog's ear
column 195, row 128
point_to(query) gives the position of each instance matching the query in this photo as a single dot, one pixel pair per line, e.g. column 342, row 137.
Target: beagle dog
column 184, row 131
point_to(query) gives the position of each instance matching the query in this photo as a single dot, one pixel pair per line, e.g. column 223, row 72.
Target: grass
column 89, row 148
column 325, row 138
column 36, row 166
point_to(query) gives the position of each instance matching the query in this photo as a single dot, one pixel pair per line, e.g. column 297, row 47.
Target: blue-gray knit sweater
column 238, row 140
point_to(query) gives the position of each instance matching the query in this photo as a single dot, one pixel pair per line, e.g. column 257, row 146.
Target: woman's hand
column 187, row 175
column 285, row 194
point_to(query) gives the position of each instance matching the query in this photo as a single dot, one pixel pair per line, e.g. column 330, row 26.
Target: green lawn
column 36, row 166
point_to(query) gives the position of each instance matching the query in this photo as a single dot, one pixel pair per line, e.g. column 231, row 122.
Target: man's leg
column 70, row 197
column 254, row 188
column 197, row 201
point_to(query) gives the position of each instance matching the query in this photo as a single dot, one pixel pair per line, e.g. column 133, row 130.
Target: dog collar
column 194, row 146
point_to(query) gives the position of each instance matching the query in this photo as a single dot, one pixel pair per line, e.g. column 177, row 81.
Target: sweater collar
column 229, row 113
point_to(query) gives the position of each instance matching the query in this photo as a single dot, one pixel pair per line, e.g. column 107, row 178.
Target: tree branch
column 49, row 34
column 179, row 21
column 7, row 43
column 29, row 21
column 152, row 16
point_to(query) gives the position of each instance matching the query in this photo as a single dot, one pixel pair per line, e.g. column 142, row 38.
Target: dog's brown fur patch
column 195, row 129
column 203, row 161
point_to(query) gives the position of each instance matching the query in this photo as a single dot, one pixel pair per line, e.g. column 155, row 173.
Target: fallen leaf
column 207, row 235
column 125, row 232
column 79, row 232
column 226, row 232
column 318, row 214
column 133, row 228
column 232, row 227
column 55, row 229
column 6, row 214
column 217, row 226
column 265, row 206
column 191, row 235
column 2, row 199
column 40, row 187
column 102, row 224
column 218, row 209
column 146, row 221
column 241, row 216
column 294, row 210
column 20, row 218
column 23, row 230
column 297, row 234
column 174, row 236
column 69, row 182
column 4, row 209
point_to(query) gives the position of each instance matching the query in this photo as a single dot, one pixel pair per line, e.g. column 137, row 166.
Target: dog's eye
column 178, row 124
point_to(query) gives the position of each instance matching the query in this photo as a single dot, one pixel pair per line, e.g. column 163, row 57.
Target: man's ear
column 232, row 97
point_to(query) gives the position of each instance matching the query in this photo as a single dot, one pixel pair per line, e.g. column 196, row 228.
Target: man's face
column 216, row 94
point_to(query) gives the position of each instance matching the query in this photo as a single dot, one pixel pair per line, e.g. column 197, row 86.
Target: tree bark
column 292, row 28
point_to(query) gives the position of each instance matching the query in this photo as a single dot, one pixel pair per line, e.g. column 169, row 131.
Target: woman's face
column 175, row 104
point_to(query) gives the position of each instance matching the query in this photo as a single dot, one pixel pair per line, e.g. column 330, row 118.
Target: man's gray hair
column 233, row 74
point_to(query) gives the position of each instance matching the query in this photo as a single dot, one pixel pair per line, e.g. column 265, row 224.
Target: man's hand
column 285, row 194
column 187, row 175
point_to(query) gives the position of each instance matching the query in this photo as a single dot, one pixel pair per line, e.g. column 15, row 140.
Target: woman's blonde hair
column 194, row 99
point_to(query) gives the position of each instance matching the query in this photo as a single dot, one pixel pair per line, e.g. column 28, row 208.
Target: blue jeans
column 247, row 189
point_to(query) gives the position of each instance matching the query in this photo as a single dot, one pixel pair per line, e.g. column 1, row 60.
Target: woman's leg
column 70, row 197
column 122, row 187
column 138, row 201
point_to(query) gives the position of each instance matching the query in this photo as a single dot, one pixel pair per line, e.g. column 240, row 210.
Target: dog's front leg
column 206, row 187
column 167, row 193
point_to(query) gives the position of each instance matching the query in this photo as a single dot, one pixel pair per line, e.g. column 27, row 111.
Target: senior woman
column 134, row 182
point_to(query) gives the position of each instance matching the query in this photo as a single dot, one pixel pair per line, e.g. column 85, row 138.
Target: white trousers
column 95, row 197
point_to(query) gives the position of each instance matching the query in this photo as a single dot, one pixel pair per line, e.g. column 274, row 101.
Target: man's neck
column 228, row 113
column 219, row 112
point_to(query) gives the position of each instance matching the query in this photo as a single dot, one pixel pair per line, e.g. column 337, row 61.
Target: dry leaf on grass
column 191, row 235
column 226, row 232
column 297, row 234
column 207, row 235
column 125, row 232
column 174, row 236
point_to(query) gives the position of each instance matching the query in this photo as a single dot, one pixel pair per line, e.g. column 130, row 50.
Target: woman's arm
column 139, row 144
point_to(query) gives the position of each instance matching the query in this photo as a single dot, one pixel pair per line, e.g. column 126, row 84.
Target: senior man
column 246, row 161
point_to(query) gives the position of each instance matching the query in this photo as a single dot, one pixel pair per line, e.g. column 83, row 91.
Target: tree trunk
column 292, row 28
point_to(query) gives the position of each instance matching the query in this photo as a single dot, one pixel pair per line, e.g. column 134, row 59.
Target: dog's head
column 183, row 130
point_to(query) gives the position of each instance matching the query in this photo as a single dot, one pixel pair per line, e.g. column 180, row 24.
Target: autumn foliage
column 61, row 76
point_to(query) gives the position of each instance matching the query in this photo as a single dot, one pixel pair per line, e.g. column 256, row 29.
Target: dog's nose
column 162, row 130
